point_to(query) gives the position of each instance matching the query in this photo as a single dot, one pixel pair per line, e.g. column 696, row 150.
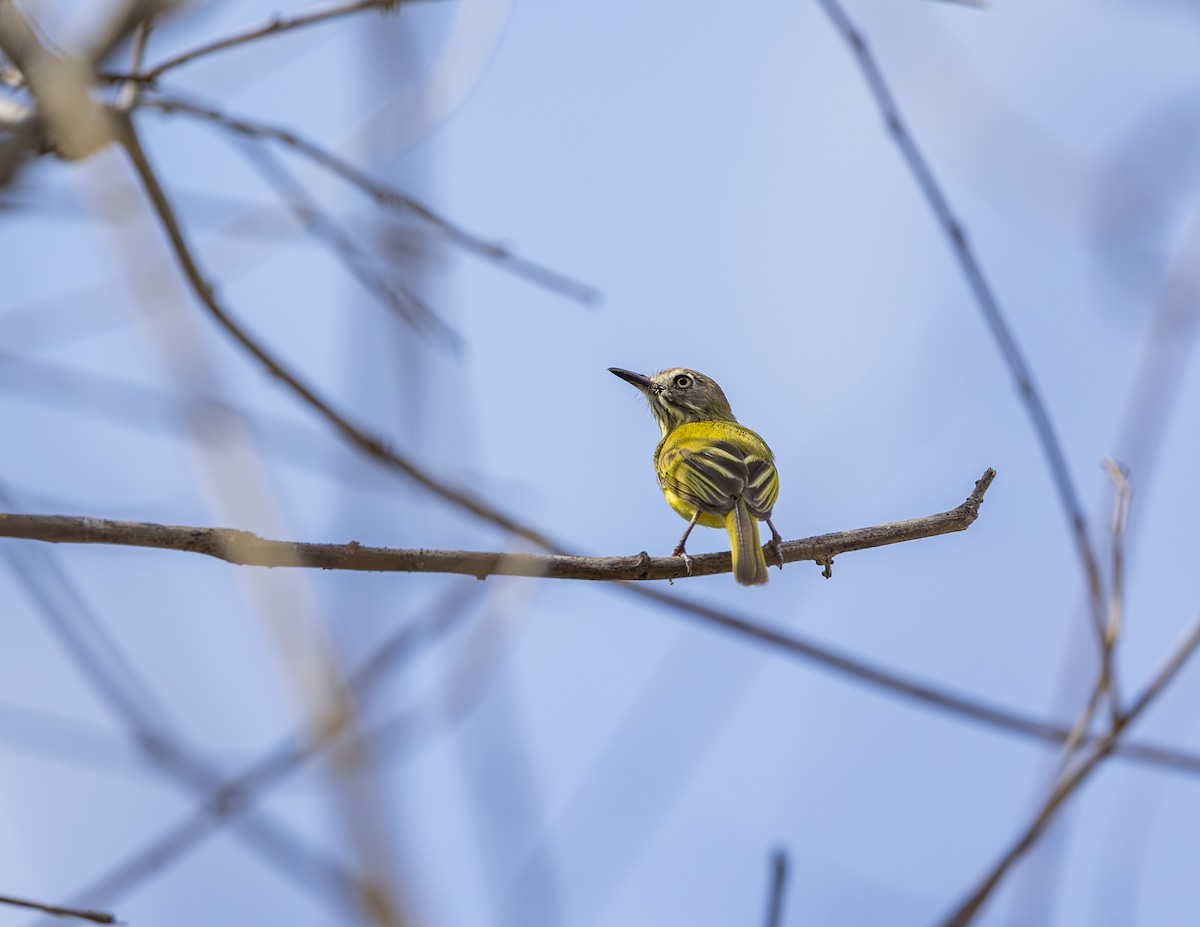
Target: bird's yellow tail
column 749, row 564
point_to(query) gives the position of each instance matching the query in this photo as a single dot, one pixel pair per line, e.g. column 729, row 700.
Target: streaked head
column 679, row 395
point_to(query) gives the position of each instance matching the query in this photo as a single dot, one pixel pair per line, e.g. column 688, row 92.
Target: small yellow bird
column 712, row 470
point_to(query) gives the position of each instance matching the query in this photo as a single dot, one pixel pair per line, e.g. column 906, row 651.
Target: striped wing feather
column 709, row 475
column 711, row 464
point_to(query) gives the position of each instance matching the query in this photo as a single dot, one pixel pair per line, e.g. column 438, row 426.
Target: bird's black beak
column 641, row 382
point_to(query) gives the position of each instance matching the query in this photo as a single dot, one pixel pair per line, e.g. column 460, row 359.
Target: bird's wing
column 762, row 485
column 708, row 474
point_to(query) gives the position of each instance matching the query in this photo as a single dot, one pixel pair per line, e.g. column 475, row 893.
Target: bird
column 712, row 471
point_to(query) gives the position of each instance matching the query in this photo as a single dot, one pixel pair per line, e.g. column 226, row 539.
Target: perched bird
column 712, row 470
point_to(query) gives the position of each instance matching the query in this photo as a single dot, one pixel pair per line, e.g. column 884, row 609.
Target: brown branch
column 66, row 119
column 987, row 301
column 274, row 26
column 396, row 297
column 1074, row 777
column 965, row 707
column 96, row 917
column 370, row 445
column 384, row 195
column 235, row 797
column 247, row 549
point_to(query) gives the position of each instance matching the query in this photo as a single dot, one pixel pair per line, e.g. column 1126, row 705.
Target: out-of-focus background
column 537, row 752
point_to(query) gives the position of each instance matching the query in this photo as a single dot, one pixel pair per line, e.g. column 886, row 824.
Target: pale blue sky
column 722, row 176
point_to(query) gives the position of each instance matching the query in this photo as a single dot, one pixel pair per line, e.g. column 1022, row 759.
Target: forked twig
column 1076, row 774
column 276, row 25
column 383, row 194
column 399, row 298
column 368, row 444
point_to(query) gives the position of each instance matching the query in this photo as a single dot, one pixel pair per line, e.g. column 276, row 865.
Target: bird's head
column 678, row 396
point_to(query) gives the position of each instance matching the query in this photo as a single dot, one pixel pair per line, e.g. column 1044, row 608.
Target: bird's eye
column 683, row 381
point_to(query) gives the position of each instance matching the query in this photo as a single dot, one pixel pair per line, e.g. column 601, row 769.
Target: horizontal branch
column 247, row 549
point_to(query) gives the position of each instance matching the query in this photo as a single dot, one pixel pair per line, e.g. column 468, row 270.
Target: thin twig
column 277, row 25
column 96, row 917
column 383, row 194
column 1072, row 778
column 236, row 796
column 131, row 89
column 118, row 684
column 1120, row 520
column 989, row 305
column 368, row 444
column 125, row 18
column 127, row 404
column 247, row 549
column 1104, row 681
column 779, row 877
column 401, row 300
column 958, row 705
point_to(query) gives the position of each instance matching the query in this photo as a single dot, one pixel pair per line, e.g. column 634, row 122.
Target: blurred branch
column 368, row 444
column 962, row 706
column 1073, row 777
column 130, row 17
column 247, row 549
column 117, row 683
column 399, row 298
column 779, row 876
column 65, row 120
column 382, row 194
column 96, row 917
column 130, row 89
column 985, row 297
column 276, row 25
column 146, row 409
column 236, row 796
column 1116, row 597
column 1104, row 679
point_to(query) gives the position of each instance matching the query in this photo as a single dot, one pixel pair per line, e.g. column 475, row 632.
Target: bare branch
column 399, row 298
column 235, row 797
column 965, row 707
column 131, row 16
column 130, row 89
column 1120, row 519
column 247, row 549
column 1105, row 683
column 985, row 297
column 368, row 444
column 117, row 683
column 70, row 123
column 384, row 195
column 274, row 26
column 779, row 876
column 1070, row 781
column 96, row 917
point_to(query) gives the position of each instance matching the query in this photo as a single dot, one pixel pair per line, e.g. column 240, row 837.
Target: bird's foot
column 776, row 544
column 687, row 560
